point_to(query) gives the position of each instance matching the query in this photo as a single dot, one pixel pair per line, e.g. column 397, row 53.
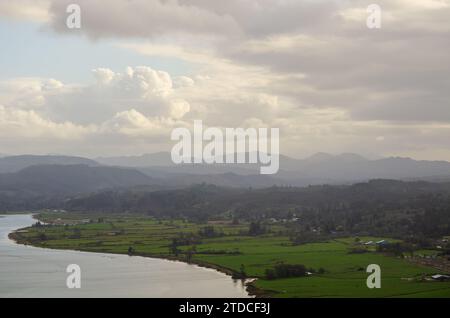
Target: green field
column 344, row 276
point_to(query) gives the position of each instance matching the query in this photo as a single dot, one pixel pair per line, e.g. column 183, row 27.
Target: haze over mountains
column 64, row 174
column 34, row 182
column 316, row 169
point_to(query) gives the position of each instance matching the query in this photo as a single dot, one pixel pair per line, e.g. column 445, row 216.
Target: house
column 382, row 242
column 441, row 278
column 369, row 243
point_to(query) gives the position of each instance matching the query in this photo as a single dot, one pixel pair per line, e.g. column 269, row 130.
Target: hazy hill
column 16, row 163
column 69, row 179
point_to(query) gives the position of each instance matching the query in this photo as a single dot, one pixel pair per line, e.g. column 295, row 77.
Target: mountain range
column 316, row 169
column 65, row 174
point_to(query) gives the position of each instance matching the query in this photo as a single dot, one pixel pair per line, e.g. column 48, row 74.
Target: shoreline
column 250, row 288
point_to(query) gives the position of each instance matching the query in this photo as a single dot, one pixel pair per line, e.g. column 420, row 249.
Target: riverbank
column 39, row 271
column 251, row 289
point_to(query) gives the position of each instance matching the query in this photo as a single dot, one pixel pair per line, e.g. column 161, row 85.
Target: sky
column 137, row 69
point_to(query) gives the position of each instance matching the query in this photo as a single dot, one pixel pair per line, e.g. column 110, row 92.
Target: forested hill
column 384, row 207
column 47, row 186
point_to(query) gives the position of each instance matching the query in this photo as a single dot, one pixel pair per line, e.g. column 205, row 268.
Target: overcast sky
column 139, row 68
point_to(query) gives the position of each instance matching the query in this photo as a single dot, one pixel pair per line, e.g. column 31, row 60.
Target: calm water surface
column 27, row 271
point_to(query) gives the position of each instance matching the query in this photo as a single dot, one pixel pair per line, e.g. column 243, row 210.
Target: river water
column 27, row 271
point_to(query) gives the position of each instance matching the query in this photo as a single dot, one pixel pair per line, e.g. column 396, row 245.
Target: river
column 27, row 271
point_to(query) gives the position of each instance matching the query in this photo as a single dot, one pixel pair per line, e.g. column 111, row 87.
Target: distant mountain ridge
column 17, row 163
column 316, row 169
column 43, row 181
column 321, row 168
column 353, row 168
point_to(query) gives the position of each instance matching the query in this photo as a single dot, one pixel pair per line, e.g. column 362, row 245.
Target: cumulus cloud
column 140, row 103
column 134, row 124
column 18, row 124
column 149, row 91
column 126, row 132
column 28, row 93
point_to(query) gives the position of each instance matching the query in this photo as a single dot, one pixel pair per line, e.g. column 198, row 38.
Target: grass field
column 344, row 276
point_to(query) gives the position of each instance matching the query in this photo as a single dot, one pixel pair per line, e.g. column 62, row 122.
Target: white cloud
column 134, row 124
column 104, row 76
column 149, row 91
column 21, row 124
column 117, row 108
column 183, row 81
column 179, row 108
